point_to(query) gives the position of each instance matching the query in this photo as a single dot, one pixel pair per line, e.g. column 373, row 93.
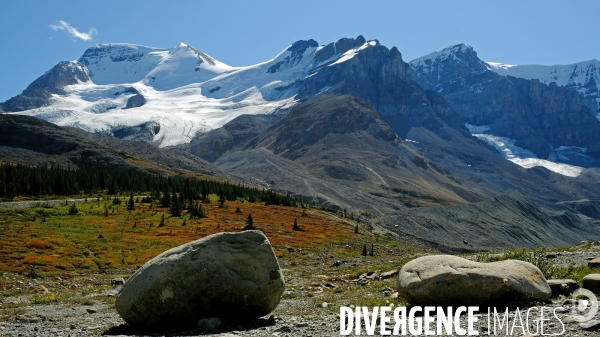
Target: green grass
column 538, row 258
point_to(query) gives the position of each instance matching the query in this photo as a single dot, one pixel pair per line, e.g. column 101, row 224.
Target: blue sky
column 33, row 39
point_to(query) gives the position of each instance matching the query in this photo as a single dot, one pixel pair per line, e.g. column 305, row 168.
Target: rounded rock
column 592, row 282
column 232, row 276
column 441, row 280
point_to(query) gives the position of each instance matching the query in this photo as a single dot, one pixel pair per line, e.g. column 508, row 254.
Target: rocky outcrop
column 135, row 101
column 540, row 117
column 52, row 82
column 445, row 280
column 232, row 276
column 379, row 76
column 338, row 48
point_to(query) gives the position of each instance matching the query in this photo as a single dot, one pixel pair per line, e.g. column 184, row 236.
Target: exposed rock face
column 52, row 82
column 297, row 50
column 583, row 77
column 323, row 116
column 442, row 280
column 135, row 101
column 145, row 132
column 339, row 47
column 379, row 76
column 231, row 276
column 539, row 116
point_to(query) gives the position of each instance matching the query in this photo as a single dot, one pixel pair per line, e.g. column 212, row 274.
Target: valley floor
column 63, row 287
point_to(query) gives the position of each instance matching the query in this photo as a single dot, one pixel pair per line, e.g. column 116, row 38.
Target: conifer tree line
column 174, row 192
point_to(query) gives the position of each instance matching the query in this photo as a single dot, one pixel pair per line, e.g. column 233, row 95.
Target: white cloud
column 73, row 32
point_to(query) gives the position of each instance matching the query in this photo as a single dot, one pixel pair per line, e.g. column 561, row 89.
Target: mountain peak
column 459, row 51
column 301, row 45
column 460, row 48
column 338, row 48
column 456, row 61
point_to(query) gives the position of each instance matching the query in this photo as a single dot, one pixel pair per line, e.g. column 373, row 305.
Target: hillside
column 29, row 140
column 551, row 122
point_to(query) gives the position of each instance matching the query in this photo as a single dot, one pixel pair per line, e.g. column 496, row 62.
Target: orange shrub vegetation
column 39, row 244
column 125, row 239
column 28, row 259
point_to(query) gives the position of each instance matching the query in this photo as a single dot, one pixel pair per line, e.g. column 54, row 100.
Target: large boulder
column 442, row 280
column 232, row 276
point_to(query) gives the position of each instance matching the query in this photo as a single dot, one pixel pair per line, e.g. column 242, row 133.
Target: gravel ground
column 67, row 321
column 90, row 311
column 39, row 203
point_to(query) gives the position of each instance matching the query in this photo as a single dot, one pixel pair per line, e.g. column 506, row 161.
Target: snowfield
column 186, row 90
column 525, row 158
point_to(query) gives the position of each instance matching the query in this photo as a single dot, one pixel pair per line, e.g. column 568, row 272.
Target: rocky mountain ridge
column 583, row 77
column 539, row 117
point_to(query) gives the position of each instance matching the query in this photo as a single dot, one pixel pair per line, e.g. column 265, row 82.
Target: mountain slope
column 583, row 77
column 167, row 96
column 540, row 118
column 32, row 141
column 507, row 221
column 337, row 150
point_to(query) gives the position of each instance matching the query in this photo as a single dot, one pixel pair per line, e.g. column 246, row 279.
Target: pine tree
column 130, row 203
column 238, row 210
column 181, row 201
column 73, row 210
column 356, row 229
column 296, row 227
column 112, row 190
column 372, row 249
column 197, row 212
column 175, row 206
column 162, row 220
column 166, row 200
column 364, row 252
column 249, row 223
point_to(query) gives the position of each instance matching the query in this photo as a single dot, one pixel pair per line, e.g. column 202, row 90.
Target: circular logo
column 581, row 305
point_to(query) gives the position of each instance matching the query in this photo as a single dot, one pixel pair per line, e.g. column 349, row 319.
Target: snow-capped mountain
column 179, row 92
column 584, row 77
column 542, row 122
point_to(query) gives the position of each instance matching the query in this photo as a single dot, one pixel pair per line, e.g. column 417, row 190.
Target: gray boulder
column 209, row 324
column 135, row 101
column 562, row 286
column 232, row 276
column 450, row 280
column 594, row 263
column 592, row 282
